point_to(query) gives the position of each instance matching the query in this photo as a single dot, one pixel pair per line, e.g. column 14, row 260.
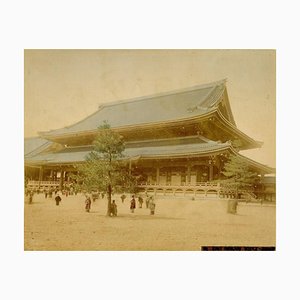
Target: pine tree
column 105, row 169
column 239, row 175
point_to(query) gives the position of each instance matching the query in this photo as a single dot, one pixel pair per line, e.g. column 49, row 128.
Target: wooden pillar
column 130, row 166
column 61, row 182
column 188, row 174
column 211, row 172
column 66, row 176
column 262, row 176
column 157, row 175
column 219, row 166
column 41, row 175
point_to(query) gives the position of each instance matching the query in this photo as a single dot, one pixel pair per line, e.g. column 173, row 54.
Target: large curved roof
column 78, row 154
column 175, row 105
column 35, row 145
column 185, row 147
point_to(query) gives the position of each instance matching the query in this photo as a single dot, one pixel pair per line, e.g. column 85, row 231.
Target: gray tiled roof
column 34, row 145
column 175, row 105
column 78, row 154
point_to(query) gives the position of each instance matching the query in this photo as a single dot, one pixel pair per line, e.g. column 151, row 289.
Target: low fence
column 35, row 184
column 201, row 189
column 196, row 191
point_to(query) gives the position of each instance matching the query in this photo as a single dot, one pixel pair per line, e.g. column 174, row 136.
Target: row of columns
column 62, row 176
column 211, row 173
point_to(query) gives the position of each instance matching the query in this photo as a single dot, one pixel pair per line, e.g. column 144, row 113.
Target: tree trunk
column 108, row 200
column 109, row 191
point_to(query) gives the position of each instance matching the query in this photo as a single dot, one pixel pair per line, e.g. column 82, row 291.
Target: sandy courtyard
column 177, row 225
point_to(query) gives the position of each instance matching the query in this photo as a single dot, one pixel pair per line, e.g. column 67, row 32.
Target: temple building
column 178, row 141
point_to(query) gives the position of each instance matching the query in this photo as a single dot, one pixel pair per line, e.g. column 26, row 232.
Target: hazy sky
column 64, row 86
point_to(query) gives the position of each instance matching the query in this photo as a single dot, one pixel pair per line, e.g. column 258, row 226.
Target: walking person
column 140, row 199
column 57, row 198
column 95, row 195
column 31, row 193
column 88, row 203
column 113, row 209
column 152, row 206
column 132, row 204
column 123, row 198
column 147, row 201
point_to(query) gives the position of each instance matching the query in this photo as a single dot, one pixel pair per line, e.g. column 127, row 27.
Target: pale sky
column 64, row 86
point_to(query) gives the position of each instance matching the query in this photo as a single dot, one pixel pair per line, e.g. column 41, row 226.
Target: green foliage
column 239, row 175
column 108, row 144
column 105, row 167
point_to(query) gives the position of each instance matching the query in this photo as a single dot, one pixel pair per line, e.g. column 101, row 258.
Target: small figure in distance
column 123, row 197
column 50, row 192
column 152, row 206
column 57, row 198
column 132, row 204
column 88, row 202
column 113, row 209
column 31, row 193
column 140, row 199
column 147, row 200
column 95, row 195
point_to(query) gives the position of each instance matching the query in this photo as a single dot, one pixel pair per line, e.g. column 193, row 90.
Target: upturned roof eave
column 212, row 149
column 254, row 143
column 148, row 97
column 183, row 155
column 266, row 169
column 128, row 127
column 144, row 126
column 151, row 96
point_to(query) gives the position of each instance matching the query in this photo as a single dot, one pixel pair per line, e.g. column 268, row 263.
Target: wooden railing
column 194, row 185
column 36, row 183
column 198, row 188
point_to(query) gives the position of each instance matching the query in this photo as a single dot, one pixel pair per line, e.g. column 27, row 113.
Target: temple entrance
column 193, row 180
column 163, row 180
column 200, row 173
column 176, row 179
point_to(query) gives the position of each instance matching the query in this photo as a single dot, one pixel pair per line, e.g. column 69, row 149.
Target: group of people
column 49, row 192
column 149, row 203
column 89, row 197
column 113, row 207
column 30, row 194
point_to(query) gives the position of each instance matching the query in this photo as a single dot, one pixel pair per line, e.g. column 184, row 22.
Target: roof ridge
column 167, row 93
column 44, row 134
column 32, row 137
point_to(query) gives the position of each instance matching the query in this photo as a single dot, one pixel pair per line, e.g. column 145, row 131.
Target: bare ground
column 177, row 225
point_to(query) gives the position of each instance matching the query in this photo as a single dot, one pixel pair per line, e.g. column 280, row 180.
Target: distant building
column 178, row 141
